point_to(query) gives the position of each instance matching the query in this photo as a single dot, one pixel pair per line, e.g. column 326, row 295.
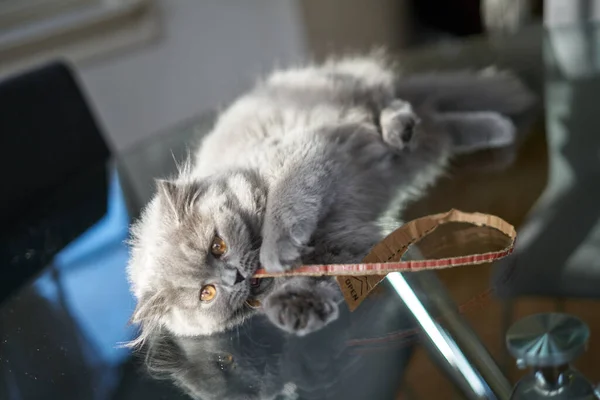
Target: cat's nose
column 238, row 277
column 231, row 276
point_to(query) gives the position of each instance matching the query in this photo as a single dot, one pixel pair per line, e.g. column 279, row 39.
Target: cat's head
column 194, row 251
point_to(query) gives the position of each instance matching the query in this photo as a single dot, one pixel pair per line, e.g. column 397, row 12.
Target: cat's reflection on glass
column 245, row 363
column 256, row 360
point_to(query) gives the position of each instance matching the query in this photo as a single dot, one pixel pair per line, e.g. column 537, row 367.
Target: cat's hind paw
column 504, row 92
column 474, row 131
column 398, row 124
column 301, row 311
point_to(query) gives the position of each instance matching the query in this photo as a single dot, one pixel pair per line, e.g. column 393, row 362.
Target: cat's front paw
column 284, row 244
column 301, row 311
column 280, row 255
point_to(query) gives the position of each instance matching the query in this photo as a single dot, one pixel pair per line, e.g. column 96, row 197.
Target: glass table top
column 60, row 332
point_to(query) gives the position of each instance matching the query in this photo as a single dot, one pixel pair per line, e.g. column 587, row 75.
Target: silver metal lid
column 545, row 340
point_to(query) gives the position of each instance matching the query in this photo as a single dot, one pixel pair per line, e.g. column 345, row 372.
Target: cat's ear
column 169, row 194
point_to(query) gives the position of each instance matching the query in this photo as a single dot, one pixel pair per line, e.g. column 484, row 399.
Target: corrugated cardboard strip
column 358, row 280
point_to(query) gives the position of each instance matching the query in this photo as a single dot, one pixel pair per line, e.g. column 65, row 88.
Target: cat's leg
column 466, row 91
column 467, row 131
column 303, row 195
column 295, row 204
column 303, row 305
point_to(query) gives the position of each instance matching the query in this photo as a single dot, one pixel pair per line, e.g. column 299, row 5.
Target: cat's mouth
column 259, row 285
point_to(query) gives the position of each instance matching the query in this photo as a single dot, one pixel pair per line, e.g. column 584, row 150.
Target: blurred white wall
column 209, row 51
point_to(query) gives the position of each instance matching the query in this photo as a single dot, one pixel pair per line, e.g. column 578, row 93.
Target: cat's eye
column 218, row 247
column 208, row 292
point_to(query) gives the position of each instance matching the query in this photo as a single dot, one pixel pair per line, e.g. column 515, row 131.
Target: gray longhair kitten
column 301, row 170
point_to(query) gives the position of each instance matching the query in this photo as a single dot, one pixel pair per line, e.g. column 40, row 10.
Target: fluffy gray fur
column 301, row 170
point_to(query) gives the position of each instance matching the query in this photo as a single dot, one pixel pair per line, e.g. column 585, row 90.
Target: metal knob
column 547, row 340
